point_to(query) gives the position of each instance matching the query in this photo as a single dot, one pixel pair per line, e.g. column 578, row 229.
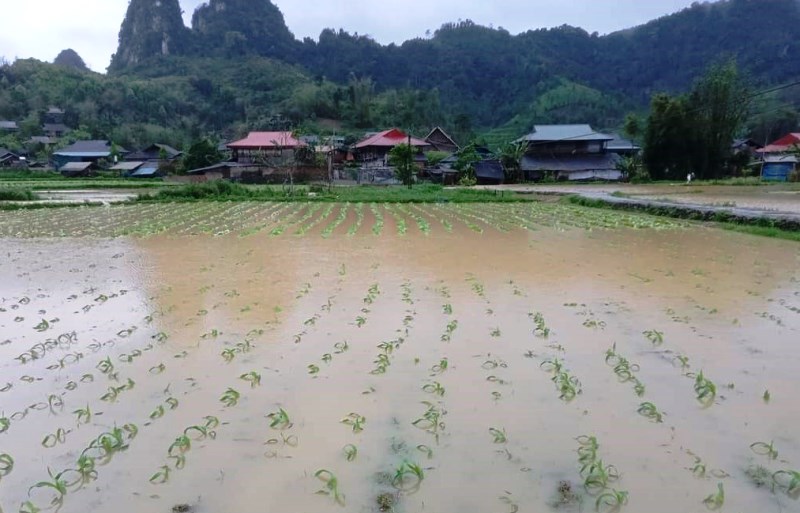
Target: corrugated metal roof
column 552, row 133
column 127, row 166
column 256, row 140
column 145, row 171
column 88, row 149
column 76, row 166
column 390, row 139
column 8, row 125
column 600, row 162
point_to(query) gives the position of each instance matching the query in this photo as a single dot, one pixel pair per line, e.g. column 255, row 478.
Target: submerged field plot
column 257, row 357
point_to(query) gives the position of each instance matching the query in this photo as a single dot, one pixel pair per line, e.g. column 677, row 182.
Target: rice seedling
column 289, row 441
column 171, row 402
column 355, row 421
column 313, row 369
column 612, row 499
column 654, row 336
column 765, row 449
column 408, row 476
column 541, row 329
column 5, row 423
column 29, row 507
column 360, row 321
column 230, row 398
column 431, row 420
column 6, row 464
column 788, row 480
column 157, row 413
column 447, row 309
column 435, row 388
column 279, row 419
column 162, row 476
column 377, row 228
column 440, row 368
column 327, row 358
column 350, row 452
column 86, row 470
column 650, row 411
column 331, row 488
column 59, row 437
column 495, row 333
column 341, row 347
column 767, row 396
column 499, row 435
column 56, row 484
column 253, row 377
column 705, row 389
column 716, row 500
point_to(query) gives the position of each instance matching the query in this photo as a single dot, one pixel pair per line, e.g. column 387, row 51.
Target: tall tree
column 401, row 157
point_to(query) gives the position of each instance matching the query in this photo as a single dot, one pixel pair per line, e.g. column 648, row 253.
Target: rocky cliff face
column 150, row 28
column 238, row 27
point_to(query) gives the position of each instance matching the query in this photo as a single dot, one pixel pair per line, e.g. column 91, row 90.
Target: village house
column 10, row 159
column 488, row 171
column 373, row 150
column 8, row 126
column 780, row 158
column 54, row 123
column 87, row 151
column 568, row 152
column 623, row 147
column 268, row 148
column 440, row 141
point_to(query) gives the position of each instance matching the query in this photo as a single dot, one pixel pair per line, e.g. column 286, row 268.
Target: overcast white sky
column 42, row 28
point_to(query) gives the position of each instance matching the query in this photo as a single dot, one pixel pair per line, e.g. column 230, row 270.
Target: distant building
column 261, row 146
column 10, row 159
column 373, row 150
column 86, row 151
column 568, row 152
column 440, row 141
column 623, row 147
column 9, row 126
column 54, row 123
column 780, row 158
column 488, row 171
column 76, row 169
column 155, row 152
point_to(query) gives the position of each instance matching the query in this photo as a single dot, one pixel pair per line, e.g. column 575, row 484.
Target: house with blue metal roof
column 569, row 153
column 86, row 151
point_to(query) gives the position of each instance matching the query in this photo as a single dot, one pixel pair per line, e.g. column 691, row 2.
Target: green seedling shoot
column 765, row 449
column 350, row 452
column 279, row 419
column 331, row 488
column 715, row 501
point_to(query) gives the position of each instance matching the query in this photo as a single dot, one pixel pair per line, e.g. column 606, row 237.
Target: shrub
column 17, row 195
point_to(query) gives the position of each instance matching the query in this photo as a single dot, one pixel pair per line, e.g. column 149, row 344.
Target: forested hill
column 238, row 66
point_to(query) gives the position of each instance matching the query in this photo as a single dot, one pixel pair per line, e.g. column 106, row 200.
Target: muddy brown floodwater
column 455, row 353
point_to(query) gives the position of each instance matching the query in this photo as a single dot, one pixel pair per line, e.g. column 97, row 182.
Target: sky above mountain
column 91, row 26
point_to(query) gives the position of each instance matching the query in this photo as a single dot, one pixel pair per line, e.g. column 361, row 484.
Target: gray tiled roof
column 96, row 148
column 551, row 133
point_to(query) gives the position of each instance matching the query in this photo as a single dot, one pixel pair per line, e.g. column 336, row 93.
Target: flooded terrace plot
column 244, row 357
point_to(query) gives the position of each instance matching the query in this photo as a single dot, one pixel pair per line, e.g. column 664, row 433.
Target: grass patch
column 228, row 191
column 17, row 195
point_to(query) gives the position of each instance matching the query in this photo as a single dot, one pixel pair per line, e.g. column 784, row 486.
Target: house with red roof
column 260, row 146
column 373, row 150
column 780, row 158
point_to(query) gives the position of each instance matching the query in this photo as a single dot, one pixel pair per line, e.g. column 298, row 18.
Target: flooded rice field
column 259, row 357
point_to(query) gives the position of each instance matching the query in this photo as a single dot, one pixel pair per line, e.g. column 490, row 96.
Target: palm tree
column 511, row 157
